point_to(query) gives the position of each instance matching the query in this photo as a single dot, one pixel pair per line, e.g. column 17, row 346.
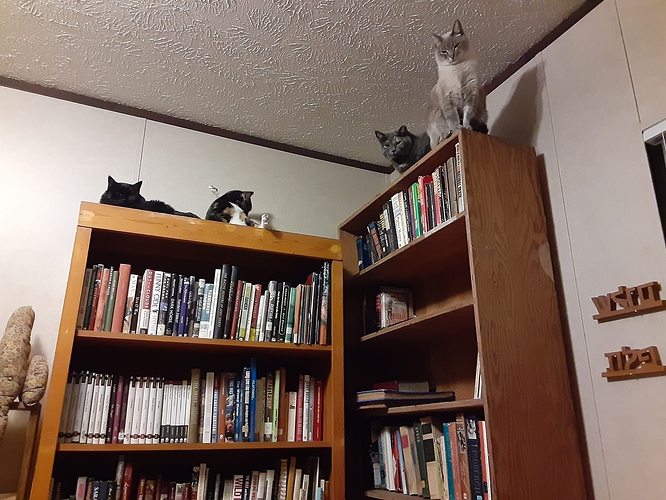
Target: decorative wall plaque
column 628, row 302
column 633, row 363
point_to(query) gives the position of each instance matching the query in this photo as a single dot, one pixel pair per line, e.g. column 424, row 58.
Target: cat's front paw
column 467, row 126
column 263, row 223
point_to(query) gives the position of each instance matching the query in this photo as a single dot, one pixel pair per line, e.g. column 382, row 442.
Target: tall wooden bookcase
column 112, row 235
column 483, row 283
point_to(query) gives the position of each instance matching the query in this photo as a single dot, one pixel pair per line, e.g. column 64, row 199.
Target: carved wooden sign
column 633, row 363
column 628, row 302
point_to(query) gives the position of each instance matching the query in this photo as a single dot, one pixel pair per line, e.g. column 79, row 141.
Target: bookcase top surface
column 153, row 224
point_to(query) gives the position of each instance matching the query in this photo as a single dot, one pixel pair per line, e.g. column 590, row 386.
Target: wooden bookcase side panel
column 127, row 220
column 48, row 440
column 533, row 444
column 334, row 395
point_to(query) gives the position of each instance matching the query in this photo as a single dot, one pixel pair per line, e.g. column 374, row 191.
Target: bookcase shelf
column 146, row 240
column 99, row 340
column 178, row 447
column 483, row 288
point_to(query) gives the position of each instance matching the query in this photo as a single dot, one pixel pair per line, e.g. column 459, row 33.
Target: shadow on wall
column 518, row 121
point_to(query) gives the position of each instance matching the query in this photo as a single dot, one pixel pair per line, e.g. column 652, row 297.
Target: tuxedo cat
column 402, row 148
column 122, row 194
column 234, row 207
column 457, row 100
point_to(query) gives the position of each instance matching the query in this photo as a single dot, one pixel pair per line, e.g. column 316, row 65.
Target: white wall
column 54, row 154
column 575, row 103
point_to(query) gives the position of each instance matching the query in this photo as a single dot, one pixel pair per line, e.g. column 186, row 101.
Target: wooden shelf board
column 446, row 242
column 153, row 224
column 178, row 343
column 388, row 495
column 449, row 319
column 176, row 447
column 447, row 406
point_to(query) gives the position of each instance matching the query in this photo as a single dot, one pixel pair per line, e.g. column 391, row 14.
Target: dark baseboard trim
column 187, row 124
column 531, row 53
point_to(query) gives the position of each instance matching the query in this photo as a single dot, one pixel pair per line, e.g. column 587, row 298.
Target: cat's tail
column 214, row 190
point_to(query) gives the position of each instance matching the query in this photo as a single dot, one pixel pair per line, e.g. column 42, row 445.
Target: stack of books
column 427, row 203
column 164, row 303
column 400, row 393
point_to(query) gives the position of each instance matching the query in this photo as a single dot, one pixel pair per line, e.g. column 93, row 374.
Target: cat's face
column 452, row 47
column 241, row 198
column 395, row 144
column 122, row 193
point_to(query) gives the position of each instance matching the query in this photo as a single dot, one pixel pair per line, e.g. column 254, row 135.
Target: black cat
column 122, row 194
column 402, row 148
column 233, row 207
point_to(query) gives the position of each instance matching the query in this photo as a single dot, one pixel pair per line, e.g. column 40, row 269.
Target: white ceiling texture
column 320, row 75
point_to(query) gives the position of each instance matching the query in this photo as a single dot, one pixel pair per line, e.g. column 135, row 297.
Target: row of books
column 291, row 479
column 432, row 200
column 433, row 458
column 162, row 303
column 385, row 306
column 209, row 408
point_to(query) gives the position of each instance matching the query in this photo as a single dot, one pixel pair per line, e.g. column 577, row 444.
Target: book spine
column 448, row 461
column 174, row 287
column 195, row 387
column 247, row 394
column 163, row 311
column 136, row 307
column 215, row 297
column 198, row 308
column 261, row 318
column 463, row 459
column 474, row 457
column 220, row 317
column 129, row 303
column 118, row 435
column 291, row 415
column 291, row 310
column 95, row 280
column 234, row 330
column 146, row 297
column 459, row 186
column 230, row 410
column 129, row 412
column 101, row 304
column 215, row 409
column 124, row 273
column 252, row 398
column 83, row 303
column 317, row 431
column 182, row 307
column 268, row 411
column 324, row 314
column 66, row 402
column 155, row 298
column 73, row 407
column 159, row 403
column 256, row 290
column 270, row 313
column 231, row 301
column 205, row 311
column 109, row 307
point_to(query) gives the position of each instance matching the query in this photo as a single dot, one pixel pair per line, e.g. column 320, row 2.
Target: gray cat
column 457, row 100
column 402, row 148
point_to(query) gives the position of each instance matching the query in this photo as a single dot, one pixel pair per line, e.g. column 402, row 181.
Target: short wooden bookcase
column 112, row 235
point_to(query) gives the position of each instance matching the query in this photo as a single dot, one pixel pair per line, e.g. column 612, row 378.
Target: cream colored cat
column 457, row 100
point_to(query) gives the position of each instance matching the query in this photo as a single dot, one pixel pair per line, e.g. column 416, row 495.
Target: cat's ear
column 245, row 195
column 403, row 130
column 457, row 28
column 137, row 186
column 381, row 137
column 436, row 38
column 111, row 182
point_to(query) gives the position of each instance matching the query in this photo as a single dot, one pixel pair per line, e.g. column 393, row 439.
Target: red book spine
column 117, row 407
column 141, row 489
column 423, row 180
column 239, row 296
column 95, row 298
column 103, row 292
column 318, row 410
column 121, row 297
column 127, row 483
column 299, row 408
column 395, row 444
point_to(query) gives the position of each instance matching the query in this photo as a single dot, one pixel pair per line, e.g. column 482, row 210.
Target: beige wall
column 54, row 154
column 578, row 104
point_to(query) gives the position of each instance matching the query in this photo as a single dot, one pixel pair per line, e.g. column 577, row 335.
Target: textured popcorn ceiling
column 321, row 75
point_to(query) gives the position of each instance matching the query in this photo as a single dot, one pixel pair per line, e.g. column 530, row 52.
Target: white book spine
column 85, row 421
column 145, row 409
column 263, row 312
column 159, row 402
column 184, row 391
column 208, row 406
column 311, row 410
column 214, row 299
column 144, row 312
column 291, row 416
column 188, row 402
column 218, row 484
column 270, row 479
column 138, row 406
column 129, row 304
column 305, row 486
column 96, row 410
column 166, row 413
column 228, row 490
column 125, row 432
column 298, row 476
column 155, row 302
column 173, row 412
column 73, row 407
column 306, row 407
column 270, row 309
column 64, row 417
column 245, row 304
column 261, row 487
column 108, row 385
column 250, row 308
column 152, row 406
column 204, row 325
